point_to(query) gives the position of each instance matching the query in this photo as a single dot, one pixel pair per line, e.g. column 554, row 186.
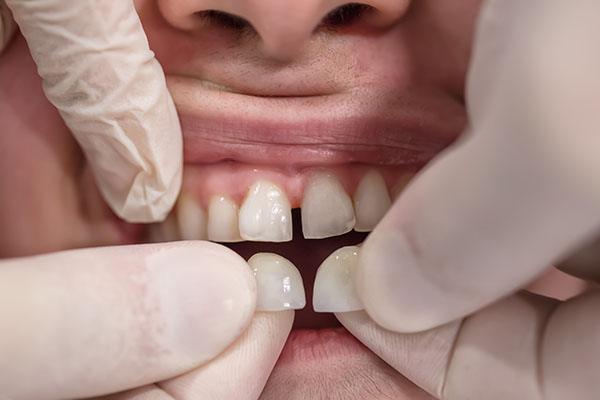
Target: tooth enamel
column 401, row 184
column 279, row 284
column 191, row 218
column 371, row 201
column 266, row 214
column 334, row 289
column 223, row 225
column 326, row 208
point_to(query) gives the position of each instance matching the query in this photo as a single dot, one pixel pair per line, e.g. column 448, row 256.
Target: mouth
column 303, row 214
column 300, row 178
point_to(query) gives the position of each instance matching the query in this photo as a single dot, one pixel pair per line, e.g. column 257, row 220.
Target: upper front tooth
column 266, row 214
column 278, row 283
column 371, row 201
column 326, row 208
column 223, row 220
column 191, row 218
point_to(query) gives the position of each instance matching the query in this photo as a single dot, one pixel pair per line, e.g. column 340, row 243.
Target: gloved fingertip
column 207, row 294
column 141, row 192
column 391, row 286
column 148, row 200
column 118, row 107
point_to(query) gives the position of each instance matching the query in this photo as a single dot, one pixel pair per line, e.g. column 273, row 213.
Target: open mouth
column 301, row 214
column 302, row 178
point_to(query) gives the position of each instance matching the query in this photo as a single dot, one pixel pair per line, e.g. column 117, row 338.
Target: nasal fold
column 283, row 27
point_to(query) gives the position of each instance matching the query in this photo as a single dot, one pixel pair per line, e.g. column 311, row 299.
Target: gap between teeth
column 265, row 213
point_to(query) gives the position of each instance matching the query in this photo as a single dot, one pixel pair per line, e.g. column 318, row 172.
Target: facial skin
column 412, row 63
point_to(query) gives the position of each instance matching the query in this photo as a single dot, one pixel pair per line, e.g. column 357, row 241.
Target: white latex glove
column 517, row 193
column 99, row 72
column 91, row 322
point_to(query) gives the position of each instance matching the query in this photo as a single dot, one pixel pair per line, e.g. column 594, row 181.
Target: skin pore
column 417, row 64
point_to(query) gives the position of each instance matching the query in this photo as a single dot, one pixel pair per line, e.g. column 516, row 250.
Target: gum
column 233, row 179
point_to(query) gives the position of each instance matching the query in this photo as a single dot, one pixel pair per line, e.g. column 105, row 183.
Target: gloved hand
column 517, row 193
column 90, row 322
column 100, row 74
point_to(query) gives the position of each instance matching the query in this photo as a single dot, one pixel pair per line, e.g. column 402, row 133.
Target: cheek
column 39, row 163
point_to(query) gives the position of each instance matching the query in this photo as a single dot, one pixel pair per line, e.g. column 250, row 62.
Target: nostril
column 224, row 19
column 375, row 14
column 346, row 14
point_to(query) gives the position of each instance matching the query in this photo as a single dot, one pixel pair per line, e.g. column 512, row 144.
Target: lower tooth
column 191, row 218
column 334, row 289
column 371, row 201
column 279, row 284
column 326, row 208
column 266, row 214
column 223, row 220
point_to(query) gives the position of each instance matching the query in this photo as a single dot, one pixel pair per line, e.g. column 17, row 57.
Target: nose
column 284, row 26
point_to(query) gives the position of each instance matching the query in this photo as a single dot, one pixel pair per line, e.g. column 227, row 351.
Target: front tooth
column 278, row 282
column 371, row 201
column 191, row 218
column 326, row 208
column 334, row 289
column 223, row 225
column 266, row 214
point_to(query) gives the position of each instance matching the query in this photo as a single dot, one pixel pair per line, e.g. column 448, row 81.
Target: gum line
column 233, row 179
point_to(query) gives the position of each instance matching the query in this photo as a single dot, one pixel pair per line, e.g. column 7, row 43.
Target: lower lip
column 309, row 345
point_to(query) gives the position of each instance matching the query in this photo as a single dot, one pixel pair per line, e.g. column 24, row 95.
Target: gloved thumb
column 516, row 194
column 241, row 371
column 89, row 322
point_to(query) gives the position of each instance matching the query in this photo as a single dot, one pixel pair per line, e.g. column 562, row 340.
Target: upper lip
column 311, row 130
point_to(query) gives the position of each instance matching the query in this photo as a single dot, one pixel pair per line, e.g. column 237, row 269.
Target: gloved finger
column 241, row 371
column 517, row 193
column 7, row 25
column 421, row 357
column 99, row 72
column 523, row 347
column 89, row 322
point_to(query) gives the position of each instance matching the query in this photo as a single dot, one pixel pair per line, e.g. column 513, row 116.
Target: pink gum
column 232, row 179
